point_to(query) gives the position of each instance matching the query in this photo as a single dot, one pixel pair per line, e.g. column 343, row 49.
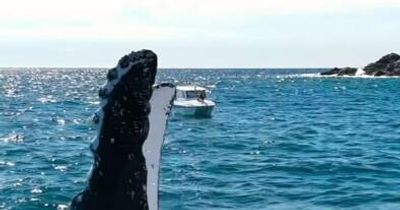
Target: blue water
column 276, row 141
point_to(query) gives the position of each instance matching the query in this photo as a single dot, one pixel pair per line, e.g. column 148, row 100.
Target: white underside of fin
column 161, row 104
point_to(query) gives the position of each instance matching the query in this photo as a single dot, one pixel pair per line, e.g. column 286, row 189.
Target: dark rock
column 395, row 66
column 347, row 71
column 394, row 73
column 388, row 65
column 384, row 64
column 341, row 71
column 331, row 72
column 379, row 73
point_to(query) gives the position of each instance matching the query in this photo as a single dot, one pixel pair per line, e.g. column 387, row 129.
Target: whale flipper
column 119, row 175
column 161, row 104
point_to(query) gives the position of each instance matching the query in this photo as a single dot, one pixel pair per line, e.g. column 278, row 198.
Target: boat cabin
column 190, row 92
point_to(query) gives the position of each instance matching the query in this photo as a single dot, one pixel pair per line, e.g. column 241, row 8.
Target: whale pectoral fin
column 118, row 179
column 161, row 104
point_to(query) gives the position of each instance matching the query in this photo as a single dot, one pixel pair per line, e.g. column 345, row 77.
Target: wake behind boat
column 192, row 100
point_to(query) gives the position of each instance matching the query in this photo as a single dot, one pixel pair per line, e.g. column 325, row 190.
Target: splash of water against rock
column 388, row 65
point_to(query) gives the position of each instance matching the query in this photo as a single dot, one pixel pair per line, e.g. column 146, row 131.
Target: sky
column 199, row 33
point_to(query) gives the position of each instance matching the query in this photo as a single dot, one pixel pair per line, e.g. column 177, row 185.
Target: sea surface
column 279, row 139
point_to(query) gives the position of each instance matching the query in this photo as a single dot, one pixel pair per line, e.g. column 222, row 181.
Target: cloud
column 71, row 20
column 44, row 10
column 220, row 8
column 152, row 19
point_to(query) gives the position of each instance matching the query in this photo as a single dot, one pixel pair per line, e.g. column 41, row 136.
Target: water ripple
column 277, row 140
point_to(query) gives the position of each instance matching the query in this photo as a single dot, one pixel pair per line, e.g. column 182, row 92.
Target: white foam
column 62, row 207
column 13, row 137
column 61, row 168
column 7, row 163
column 360, row 72
column 36, row 191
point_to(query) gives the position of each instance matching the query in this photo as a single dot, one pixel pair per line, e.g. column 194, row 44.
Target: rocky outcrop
column 385, row 64
column 388, row 65
column 347, row 71
column 341, row 71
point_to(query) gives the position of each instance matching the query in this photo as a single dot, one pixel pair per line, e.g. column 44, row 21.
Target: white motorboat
column 192, row 100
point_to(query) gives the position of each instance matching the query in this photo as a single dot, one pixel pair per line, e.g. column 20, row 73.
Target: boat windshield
column 195, row 94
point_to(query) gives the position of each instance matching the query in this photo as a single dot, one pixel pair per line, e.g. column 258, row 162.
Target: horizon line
column 161, row 68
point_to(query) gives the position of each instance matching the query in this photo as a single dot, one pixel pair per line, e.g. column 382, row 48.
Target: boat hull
column 202, row 112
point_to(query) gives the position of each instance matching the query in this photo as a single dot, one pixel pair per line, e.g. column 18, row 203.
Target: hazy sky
column 199, row 33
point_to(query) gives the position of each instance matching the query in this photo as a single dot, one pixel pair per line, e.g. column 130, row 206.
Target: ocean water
column 279, row 139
